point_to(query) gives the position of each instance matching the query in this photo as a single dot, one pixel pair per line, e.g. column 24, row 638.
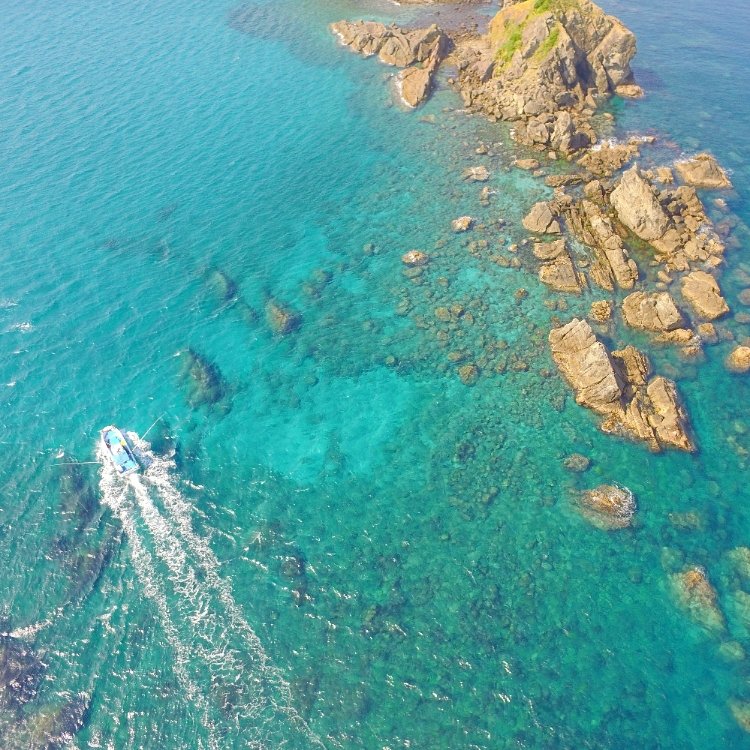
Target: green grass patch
column 542, row 6
column 512, row 43
column 548, row 44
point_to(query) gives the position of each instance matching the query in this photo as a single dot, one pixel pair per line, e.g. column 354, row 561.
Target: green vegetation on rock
column 548, row 44
column 505, row 52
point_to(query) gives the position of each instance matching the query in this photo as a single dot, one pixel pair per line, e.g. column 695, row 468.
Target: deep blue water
column 338, row 543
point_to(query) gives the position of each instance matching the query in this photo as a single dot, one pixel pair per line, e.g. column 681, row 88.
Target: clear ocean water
column 338, row 543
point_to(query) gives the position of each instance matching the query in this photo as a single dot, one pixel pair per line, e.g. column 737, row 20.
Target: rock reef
column 617, row 387
column 419, row 52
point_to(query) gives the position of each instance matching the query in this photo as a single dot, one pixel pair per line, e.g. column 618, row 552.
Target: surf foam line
column 225, row 641
column 114, row 494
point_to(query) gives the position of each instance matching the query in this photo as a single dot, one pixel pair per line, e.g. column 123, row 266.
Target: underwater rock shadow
column 270, row 22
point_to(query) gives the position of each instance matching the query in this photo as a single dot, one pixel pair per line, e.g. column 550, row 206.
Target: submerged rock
column 223, row 286
column 206, row 385
column 281, row 319
column 698, row 597
column 703, row 171
column 468, row 373
column 741, row 712
column 476, row 174
column 608, row 507
column 56, row 726
column 577, row 462
column 21, row 672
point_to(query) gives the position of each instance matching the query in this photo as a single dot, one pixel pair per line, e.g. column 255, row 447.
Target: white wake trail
column 215, row 636
column 115, row 495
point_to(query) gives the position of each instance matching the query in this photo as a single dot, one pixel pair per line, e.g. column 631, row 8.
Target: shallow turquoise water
column 350, row 547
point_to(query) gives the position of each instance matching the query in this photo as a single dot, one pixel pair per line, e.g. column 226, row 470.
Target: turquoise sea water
column 338, row 543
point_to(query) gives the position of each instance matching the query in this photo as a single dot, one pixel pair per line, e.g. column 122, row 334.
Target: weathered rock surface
column 541, row 219
column 585, row 363
column 394, row 46
column 462, row 223
column 612, row 266
column 739, row 359
column 606, row 159
column 608, row 507
column 656, row 312
column 618, row 388
column 601, row 311
column 638, row 207
column 414, row 82
column 558, row 270
column 703, row 171
column 702, row 291
column 542, row 64
column 419, row 51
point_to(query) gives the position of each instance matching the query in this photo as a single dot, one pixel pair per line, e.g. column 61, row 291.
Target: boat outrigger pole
column 152, row 426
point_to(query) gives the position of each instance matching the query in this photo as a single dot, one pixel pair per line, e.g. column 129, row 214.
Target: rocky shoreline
column 547, row 66
column 639, row 241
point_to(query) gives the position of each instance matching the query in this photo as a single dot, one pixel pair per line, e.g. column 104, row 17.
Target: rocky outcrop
column 558, row 270
column 702, row 292
column 608, row 507
column 542, row 64
column 618, row 388
column 392, row 45
column 611, row 266
column 414, row 82
column 601, row 311
column 656, row 312
column 419, row 51
column 462, row 224
column 476, row 174
column 673, row 221
column 739, row 359
column 585, row 363
column 414, row 258
column 541, row 219
column 638, row 206
column 606, row 159
column 703, row 171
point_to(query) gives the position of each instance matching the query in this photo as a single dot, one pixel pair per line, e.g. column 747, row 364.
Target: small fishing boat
column 118, row 451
